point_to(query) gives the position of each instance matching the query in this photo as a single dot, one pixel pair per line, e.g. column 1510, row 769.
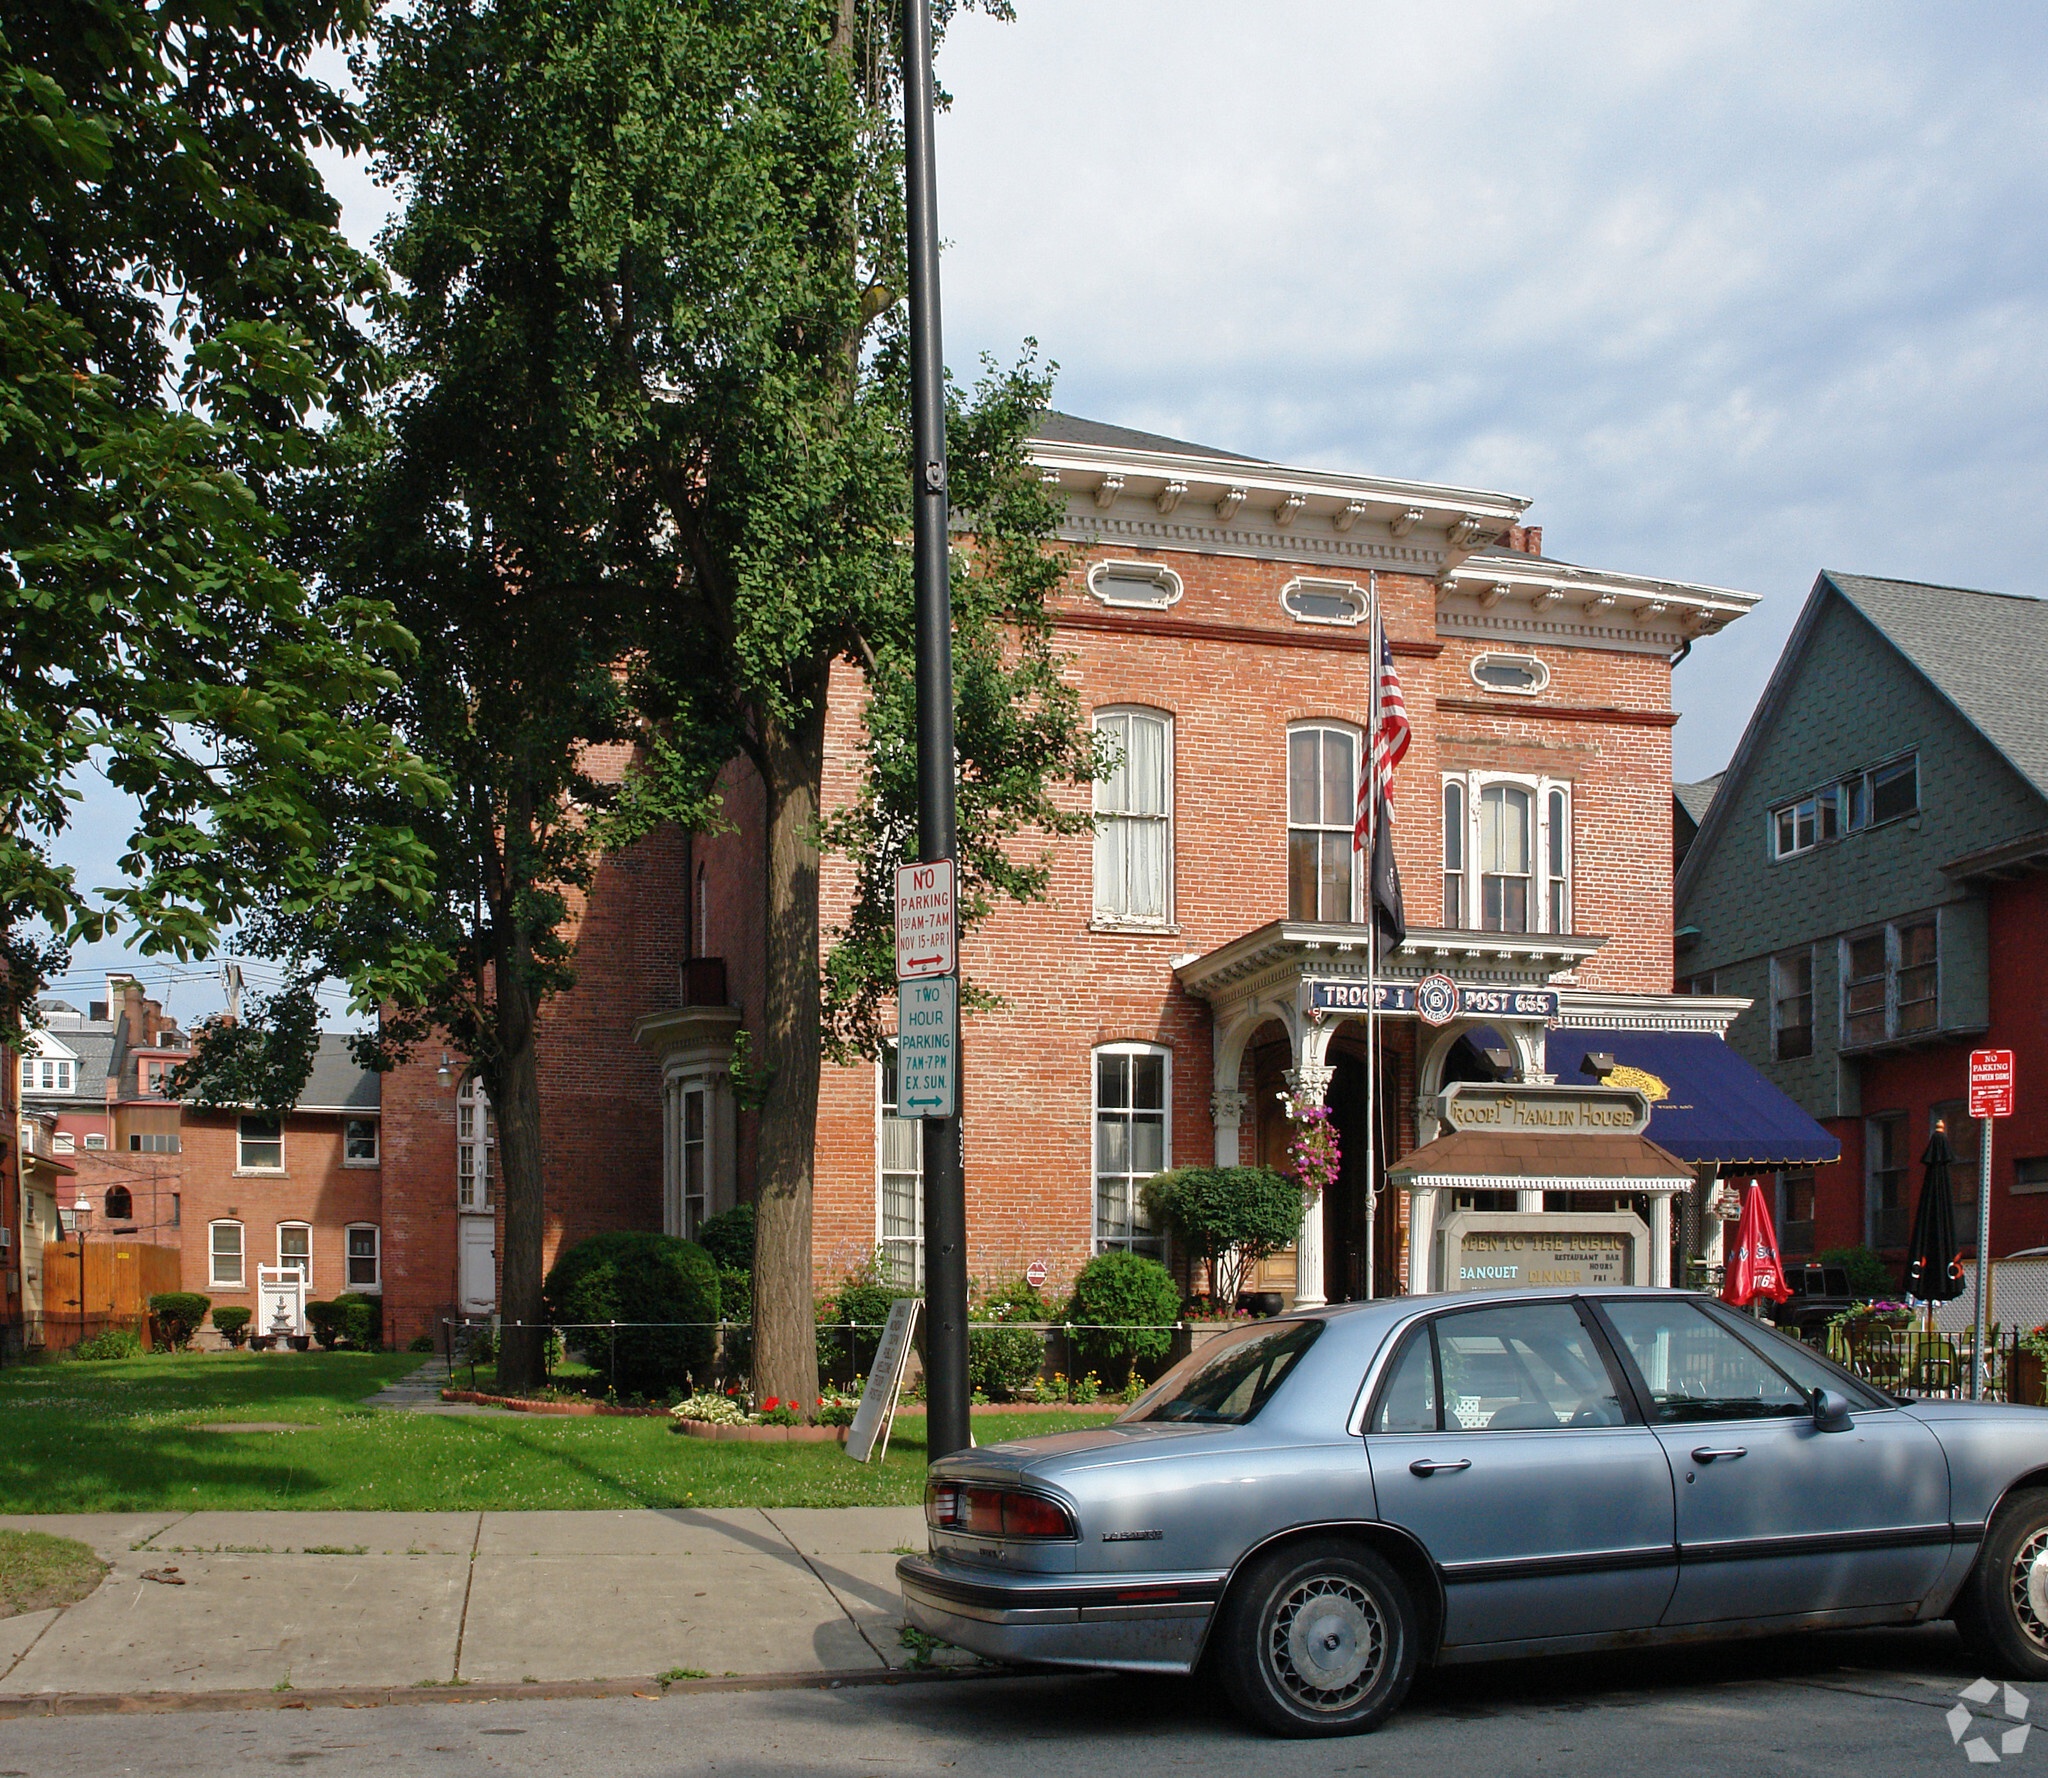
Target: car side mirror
column 1831, row 1411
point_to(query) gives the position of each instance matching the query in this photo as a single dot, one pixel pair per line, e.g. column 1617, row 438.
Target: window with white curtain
column 1134, row 819
column 1507, row 858
column 899, row 1166
column 1132, row 1142
column 1323, row 882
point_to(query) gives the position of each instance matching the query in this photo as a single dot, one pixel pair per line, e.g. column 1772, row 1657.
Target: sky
column 1735, row 292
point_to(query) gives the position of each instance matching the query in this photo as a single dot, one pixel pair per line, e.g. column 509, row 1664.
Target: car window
column 1805, row 1366
column 1408, row 1397
column 1695, row 1368
column 1517, row 1367
column 1234, row 1382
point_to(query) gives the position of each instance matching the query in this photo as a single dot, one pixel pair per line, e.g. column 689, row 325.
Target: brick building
column 1872, row 875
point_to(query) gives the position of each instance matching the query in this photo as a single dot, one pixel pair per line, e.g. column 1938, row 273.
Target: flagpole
column 1372, row 940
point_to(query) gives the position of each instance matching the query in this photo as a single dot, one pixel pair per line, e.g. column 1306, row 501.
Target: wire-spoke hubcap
column 2030, row 1587
column 1327, row 1643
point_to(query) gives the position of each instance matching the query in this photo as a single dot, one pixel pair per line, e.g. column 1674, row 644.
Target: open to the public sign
column 1991, row 1089
column 924, row 920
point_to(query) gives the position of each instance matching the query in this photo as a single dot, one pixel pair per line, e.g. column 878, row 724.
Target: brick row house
column 1872, row 875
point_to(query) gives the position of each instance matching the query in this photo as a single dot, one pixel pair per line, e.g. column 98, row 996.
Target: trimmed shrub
column 862, row 1300
column 1003, row 1362
column 174, row 1317
column 631, row 1276
column 1229, row 1218
column 325, row 1321
column 112, row 1342
column 420, row 1343
column 232, row 1324
column 729, row 1238
column 1123, row 1309
column 362, row 1320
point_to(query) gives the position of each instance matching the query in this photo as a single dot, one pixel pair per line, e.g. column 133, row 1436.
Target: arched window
column 1557, row 853
column 1322, row 809
column 224, row 1245
column 1504, row 852
column 1519, row 831
column 1454, row 853
column 1134, row 819
column 120, row 1204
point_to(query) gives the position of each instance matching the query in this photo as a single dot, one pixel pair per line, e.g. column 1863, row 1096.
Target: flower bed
column 521, row 1405
column 762, row 1435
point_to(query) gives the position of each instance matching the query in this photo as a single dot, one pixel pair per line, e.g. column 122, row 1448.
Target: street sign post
column 1991, row 1096
column 924, row 920
column 928, row 1046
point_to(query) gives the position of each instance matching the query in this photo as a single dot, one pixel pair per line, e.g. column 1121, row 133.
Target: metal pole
column 945, row 1193
column 1983, row 1254
column 1372, row 941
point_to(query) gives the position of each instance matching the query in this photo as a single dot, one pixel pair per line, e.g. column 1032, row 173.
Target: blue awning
column 1706, row 1102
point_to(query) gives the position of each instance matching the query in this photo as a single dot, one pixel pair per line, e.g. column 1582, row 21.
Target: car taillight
column 994, row 1512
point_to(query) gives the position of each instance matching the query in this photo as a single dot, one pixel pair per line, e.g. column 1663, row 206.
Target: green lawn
column 127, row 1437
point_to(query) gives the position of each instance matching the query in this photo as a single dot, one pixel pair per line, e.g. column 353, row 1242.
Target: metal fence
column 1913, row 1361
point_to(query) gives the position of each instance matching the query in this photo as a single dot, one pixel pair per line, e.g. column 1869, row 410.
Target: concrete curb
column 372, row 1697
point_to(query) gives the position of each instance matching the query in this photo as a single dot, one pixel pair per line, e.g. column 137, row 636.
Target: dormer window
column 1134, row 584
column 1325, row 601
column 45, row 1074
column 1521, row 674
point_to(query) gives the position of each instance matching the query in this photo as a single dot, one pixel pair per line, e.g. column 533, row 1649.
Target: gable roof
column 1697, row 799
column 1057, row 428
column 1986, row 653
column 336, row 1083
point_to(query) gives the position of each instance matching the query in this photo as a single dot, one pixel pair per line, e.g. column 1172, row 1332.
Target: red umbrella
column 1754, row 1268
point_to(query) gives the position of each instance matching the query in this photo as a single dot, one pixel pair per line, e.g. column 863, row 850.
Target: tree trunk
column 516, row 1103
column 787, row 1050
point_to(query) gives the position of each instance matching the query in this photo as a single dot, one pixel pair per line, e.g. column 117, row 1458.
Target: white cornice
column 1230, row 507
column 1509, row 598
column 1592, row 1009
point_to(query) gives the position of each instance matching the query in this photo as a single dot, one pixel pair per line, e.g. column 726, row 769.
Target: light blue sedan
column 1320, row 1503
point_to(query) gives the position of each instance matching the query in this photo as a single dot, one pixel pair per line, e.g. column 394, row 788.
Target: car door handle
column 1708, row 1453
column 1429, row 1465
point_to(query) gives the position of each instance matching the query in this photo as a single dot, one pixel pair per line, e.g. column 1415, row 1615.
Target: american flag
column 1389, row 746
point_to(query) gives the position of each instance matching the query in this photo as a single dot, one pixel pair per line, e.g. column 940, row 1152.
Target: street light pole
column 945, row 1193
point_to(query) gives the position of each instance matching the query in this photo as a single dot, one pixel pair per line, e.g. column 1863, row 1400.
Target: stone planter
column 762, row 1435
column 2028, row 1383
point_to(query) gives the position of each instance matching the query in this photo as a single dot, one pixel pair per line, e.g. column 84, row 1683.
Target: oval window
column 1324, row 601
column 1522, row 673
column 1134, row 583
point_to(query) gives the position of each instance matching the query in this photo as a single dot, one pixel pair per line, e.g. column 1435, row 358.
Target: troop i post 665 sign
column 1991, row 1083
column 924, row 920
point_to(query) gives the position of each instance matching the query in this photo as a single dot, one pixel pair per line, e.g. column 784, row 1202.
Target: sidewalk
column 269, row 1602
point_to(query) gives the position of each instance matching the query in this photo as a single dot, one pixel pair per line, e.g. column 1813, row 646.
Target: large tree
column 175, row 321
column 647, row 477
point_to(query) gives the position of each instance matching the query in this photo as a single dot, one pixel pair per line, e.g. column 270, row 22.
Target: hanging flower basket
column 1314, row 1153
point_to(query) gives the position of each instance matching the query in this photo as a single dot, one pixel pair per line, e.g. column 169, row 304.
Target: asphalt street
column 1870, row 1703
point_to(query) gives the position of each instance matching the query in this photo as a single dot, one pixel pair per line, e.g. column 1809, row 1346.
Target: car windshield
column 1231, row 1383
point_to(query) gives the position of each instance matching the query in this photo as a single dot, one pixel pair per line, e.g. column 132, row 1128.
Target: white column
column 1660, row 1238
column 1421, row 1240
column 1529, row 1203
column 1227, row 1107
column 1311, row 1080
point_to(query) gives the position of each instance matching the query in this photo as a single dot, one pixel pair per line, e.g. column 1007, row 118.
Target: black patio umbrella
column 1934, row 1270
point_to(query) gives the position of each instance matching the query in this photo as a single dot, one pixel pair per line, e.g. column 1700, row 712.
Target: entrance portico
column 1311, row 978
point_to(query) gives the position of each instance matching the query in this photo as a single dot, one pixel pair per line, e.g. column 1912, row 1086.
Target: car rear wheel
column 2002, row 1610
column 1318, row 1639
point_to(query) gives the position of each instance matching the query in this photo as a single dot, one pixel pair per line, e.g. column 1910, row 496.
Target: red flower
column 772, row 1403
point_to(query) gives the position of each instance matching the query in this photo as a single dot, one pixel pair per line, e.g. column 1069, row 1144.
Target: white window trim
column 1541, row 667
column 1539, row 788
column 376, row 1137
column 1868, row 775
column 243, row 1170
column 282, row 1262
column 1345, row 589
column 1099, row 919
column 1360, row 868
column 882, row 1237
column 213, row 1278
column 1095, row 1055
column 1155, row 573
column 375, row 1288
column 485, row 1143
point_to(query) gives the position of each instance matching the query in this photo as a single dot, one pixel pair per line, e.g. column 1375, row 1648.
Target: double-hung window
column 1507, row 859
column 1322, row 811
column 1134, row 819
column 1866, row 798
column 475, row 1138
column 1884, row 1175
column 224, row 1245
column 1962, row 1169
column 259, row 1145
column 1792, row 1005
column 1891, row 982
column 365, row 1260
column 359, row 1142
column 1132, row 1142
column 295, row 1249
column 899, row 1156
column 46, row 1074
column 693, row 1127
